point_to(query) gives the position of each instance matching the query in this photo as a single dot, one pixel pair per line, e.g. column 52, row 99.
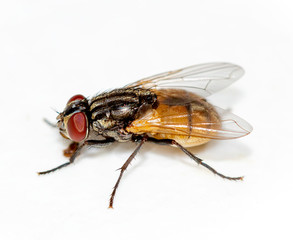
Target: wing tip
column 238, row 72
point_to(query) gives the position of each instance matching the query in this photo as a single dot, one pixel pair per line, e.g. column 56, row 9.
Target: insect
column 169, row 108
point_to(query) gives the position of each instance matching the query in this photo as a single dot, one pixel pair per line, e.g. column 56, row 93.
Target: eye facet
column 76, row 97
column 77, row 127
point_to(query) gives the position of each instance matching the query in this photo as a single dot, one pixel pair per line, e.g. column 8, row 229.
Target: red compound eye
column 76, row 97
column 77, row 127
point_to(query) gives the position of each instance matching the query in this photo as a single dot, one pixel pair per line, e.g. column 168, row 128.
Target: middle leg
column 124, row 167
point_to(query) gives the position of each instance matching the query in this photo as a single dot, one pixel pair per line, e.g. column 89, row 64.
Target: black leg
column 123, row 168
column 193, row 157
column 100, row 143
column 71, row 160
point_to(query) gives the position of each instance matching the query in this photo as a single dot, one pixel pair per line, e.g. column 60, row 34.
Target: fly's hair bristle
column 55, row 110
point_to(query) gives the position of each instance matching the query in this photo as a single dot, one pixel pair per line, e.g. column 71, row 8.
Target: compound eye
column 76, row 97
column 77, row 127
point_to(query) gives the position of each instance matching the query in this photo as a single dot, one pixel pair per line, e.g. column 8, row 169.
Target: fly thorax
column 103, row 124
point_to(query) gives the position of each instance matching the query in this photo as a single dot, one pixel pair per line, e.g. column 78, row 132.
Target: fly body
column 169, row 108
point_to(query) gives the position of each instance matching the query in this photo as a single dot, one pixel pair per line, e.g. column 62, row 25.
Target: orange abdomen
column 181, row 116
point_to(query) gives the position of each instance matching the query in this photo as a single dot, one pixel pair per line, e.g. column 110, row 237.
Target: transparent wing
column 203, row 79
column 232, row 126
column 229, row 127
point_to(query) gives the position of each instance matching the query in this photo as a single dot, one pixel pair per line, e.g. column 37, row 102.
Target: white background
column 51, row 50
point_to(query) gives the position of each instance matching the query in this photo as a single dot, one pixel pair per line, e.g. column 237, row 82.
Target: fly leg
column 68, row 152
column 99, row 143
column 124, row 167
column 71, row 160
column 193, row 157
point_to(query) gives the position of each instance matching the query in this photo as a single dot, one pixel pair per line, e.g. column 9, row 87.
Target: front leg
column 68, row 152
column 99, row 143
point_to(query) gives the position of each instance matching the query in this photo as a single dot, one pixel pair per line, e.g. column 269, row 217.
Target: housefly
column 169, row 108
